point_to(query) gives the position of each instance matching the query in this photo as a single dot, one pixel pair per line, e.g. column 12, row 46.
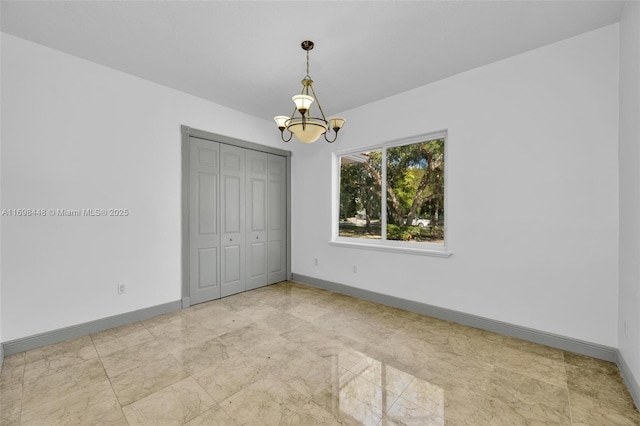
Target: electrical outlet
column 315, row 261
column 121, row 289
column 355, row 269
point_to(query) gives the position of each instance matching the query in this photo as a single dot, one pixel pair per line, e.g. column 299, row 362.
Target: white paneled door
column 204, row 236
column 277, row 219
column 237, row 219
column 256, row 218
column 232, row 220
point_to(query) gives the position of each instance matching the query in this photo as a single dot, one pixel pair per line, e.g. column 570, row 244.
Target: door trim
column 188, row 132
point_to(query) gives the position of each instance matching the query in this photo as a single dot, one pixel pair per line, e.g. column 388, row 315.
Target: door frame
column 188, row 132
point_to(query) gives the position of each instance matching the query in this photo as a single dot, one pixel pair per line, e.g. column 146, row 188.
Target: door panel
column 232, row 205
column 258, row 203
column 204, row 238
column 259, row 255
column 232, row 271
column 277, row 219
column 275, row 257
column 208, row 270
column 207, row 200
column 256, row 198
column 233, row 219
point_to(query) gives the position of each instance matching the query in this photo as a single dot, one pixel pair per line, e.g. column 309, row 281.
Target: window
column 393, row 196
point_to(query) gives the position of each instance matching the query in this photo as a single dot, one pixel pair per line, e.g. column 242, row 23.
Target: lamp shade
column 310, row 131
column 336, row 122
column 303, row 102
column 281, row 121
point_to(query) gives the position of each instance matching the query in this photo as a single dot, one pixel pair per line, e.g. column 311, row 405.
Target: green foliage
column 402, row 232
column 435, row 233
column 414, row 185
column 359, row 190
column 415, row 177
column 414, row 233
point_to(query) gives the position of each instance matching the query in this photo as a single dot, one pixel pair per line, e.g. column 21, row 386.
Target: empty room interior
column 457, row 241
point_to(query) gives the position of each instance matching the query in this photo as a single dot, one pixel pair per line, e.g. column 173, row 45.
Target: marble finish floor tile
column 40, row 390
column 204, row 355
column 230, row 376
column 405, row 412
column 133, row 357
column 95, row 404
column 308, row 311
column 312, row 414
column 132, row 385
column 11, row 385
column 173, row 405
column 13, row 370
column 535, row 361
column 10, row 403
column 296, row 355
column 181, row 331
column 49, row 360
column 245, row 338
column 119, row 338
column 214, row 416
column 513, row 398
column 268, row 400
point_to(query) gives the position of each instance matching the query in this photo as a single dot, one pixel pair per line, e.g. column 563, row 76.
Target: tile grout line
column 108, row 378
column 566, row 383
column 24, row 367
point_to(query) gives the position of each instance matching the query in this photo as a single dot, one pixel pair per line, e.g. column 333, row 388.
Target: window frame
column 418, row 248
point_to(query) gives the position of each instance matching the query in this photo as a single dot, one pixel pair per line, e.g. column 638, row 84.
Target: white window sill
column 394, row 247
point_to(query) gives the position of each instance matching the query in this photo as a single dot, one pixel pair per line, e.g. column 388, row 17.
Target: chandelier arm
column 318, row 102
column 282, row 136
column 334, row 138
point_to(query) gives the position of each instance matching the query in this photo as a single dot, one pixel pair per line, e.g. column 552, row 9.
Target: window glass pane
column 360, row 195
column 415, row 192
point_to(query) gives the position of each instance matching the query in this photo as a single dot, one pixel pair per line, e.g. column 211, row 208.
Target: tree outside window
column 409, row 179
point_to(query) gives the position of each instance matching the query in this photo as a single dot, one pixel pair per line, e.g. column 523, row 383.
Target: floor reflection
column 371, row 390
column 296, row 355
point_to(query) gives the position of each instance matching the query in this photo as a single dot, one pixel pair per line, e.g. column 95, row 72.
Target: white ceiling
column 246, row 54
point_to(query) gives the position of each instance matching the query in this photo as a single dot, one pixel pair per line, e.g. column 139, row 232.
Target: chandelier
column 304, row 127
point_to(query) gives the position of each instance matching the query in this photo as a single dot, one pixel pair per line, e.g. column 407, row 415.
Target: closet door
column 232, row 184
column 277, row 219
column 256, row 215
column 204, row 235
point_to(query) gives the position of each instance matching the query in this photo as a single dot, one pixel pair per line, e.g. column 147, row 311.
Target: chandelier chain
column 312, row 89
column 308, row 76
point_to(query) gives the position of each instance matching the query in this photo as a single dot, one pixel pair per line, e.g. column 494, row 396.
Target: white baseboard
column 549, row 339
column 629, row 379
column 55, row 336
